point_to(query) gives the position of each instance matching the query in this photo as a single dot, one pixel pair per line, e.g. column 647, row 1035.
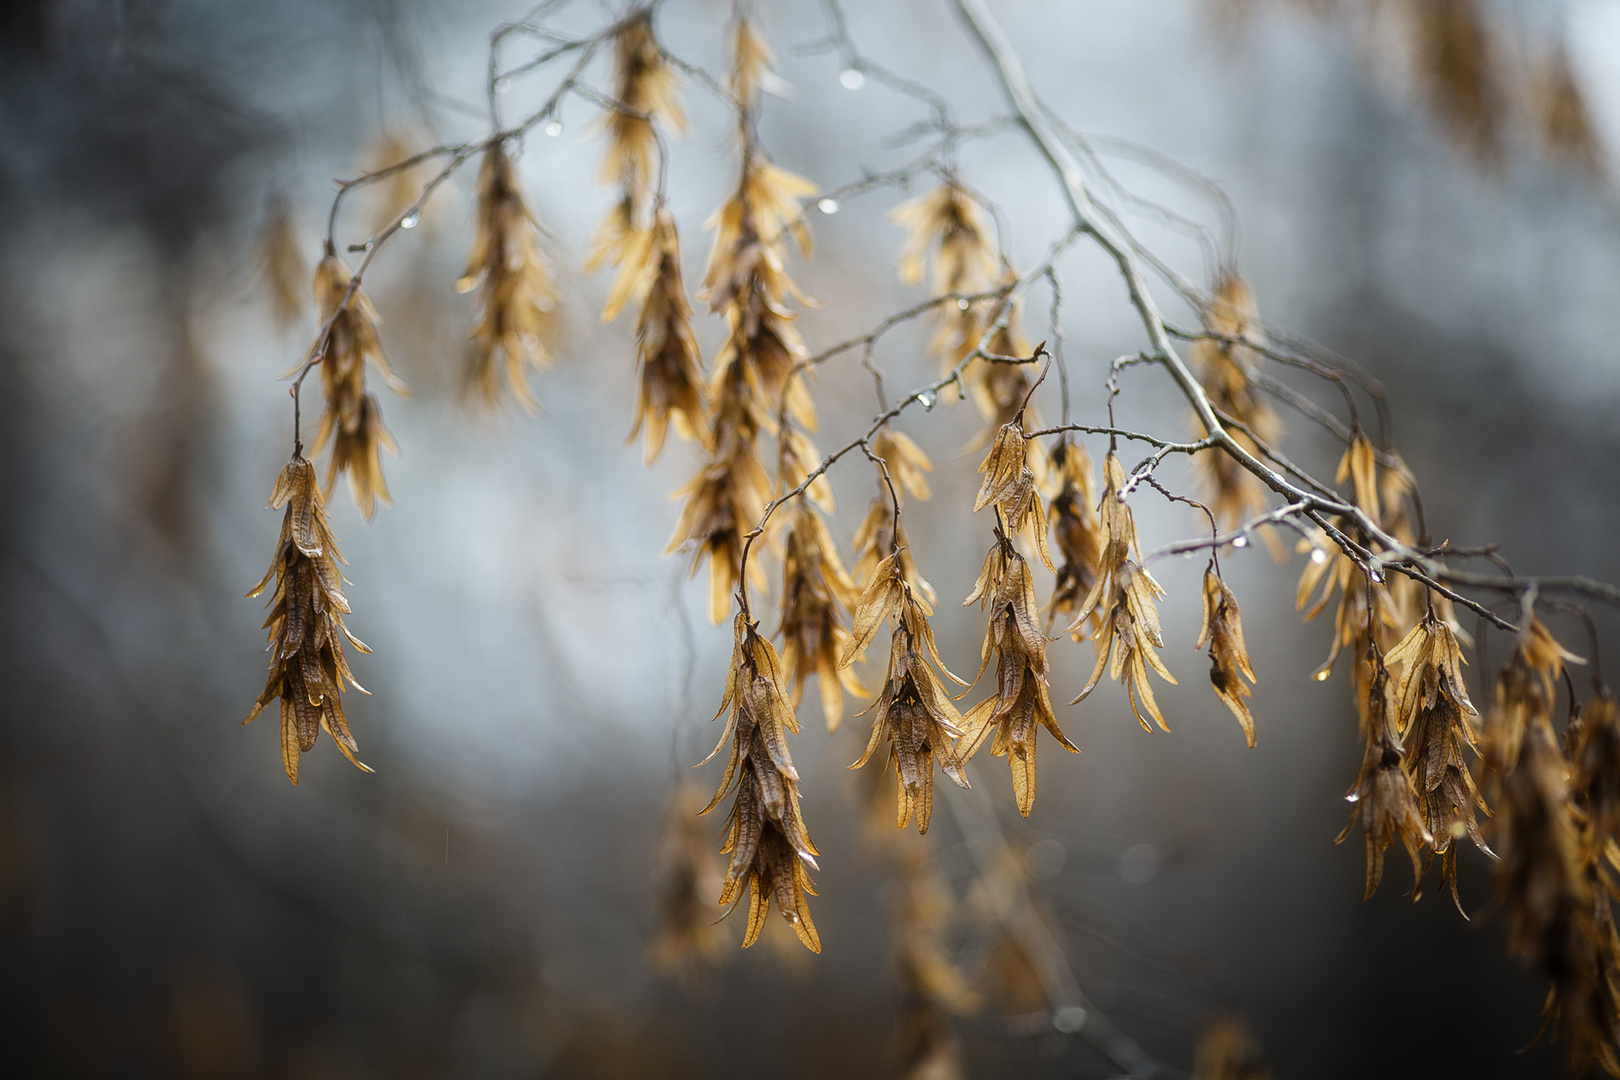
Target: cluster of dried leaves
column 307, row 668
column 1557, row 800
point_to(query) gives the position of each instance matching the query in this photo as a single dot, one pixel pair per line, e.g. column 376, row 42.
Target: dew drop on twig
column 410, row 221
column 850, row 79
column 828, row 206
column 554, row 128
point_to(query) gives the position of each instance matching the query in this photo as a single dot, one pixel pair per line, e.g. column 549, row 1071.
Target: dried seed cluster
column 769, row 847
column 307, row 668
column 515, row 292
column 352, row 420
column 1557, row 801
column 914, row 712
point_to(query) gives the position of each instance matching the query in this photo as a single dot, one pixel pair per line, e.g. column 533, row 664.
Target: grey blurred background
column 543, row 674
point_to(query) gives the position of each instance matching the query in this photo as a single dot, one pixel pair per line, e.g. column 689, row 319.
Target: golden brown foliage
column 816, row 590
column 1224, row 367
column 1022, row 702
column 905, row 462
column 766, row 838
column 515, row 292
column 754, row 379
column 1126, row 597
column 1385, row 800
column 913, row 709
column 1593, row 741
column 307, row 668
column 949, row 225
column 352, row 419
column 666, row 349
column 880, row 535
column 1366, row 611
column 1432, row 710
column 1222, row 631
column 1558, row 921
column 1525, row 693
column 648, row 89
column 1009, row 486
column 1075, row 528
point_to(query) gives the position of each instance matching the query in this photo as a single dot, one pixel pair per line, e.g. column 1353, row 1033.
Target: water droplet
column 368, row 245
column 410, row 221
column 962, row 305
column 1070, row 1018
column 850, row 79
column 1322, row 676
column 554, row 128
column 502, row 85
column 1318, row 556
column 828, row 206
column 1139, row 865
column 1377, row 576
column 1354, row 796
column 927, row 400
column 1240, row 542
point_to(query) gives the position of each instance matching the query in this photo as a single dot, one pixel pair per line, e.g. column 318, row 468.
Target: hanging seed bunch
column 1075, row 529
column 1593, row 742
column 352, row 420
column 687, row 939
column 913, row 710
column 1551, row 876
column 1224, row 367
column 307, row 668
column 949, row 226
column 881, row 533
column 1386, row 801
column 515, row 291
column 1127, row 598
column 999, row 389
column 1526, row 690
column 647, row 92
column 1022, row 702
column 667, row 355
column 282, row 264
column 754, row 378
column 1433, row 712
column 766, row 837
column 1222, row 632
column 1588, row 1013
column 1558, row 923
column 1365, row 611
column 817, row 592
